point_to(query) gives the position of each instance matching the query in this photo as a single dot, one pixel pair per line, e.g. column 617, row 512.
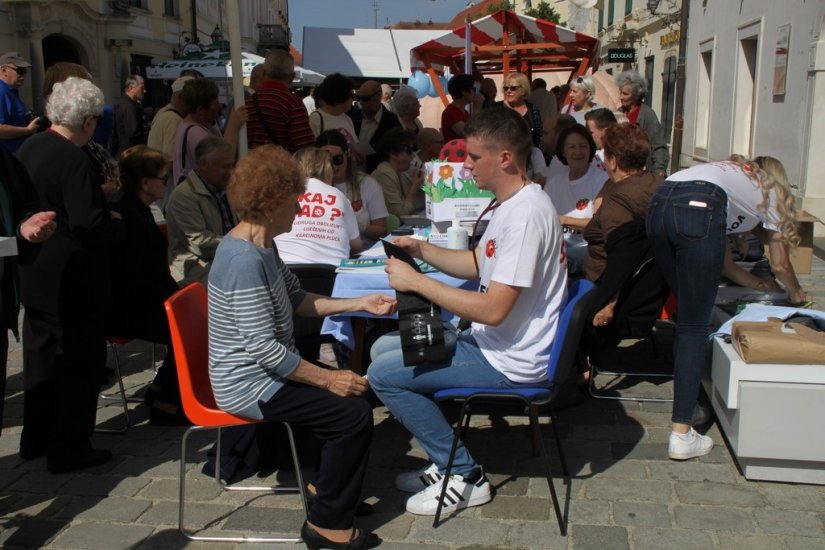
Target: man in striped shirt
column 276, row 115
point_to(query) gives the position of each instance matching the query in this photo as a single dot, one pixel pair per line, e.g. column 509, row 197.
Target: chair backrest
column 568, row 334
column 188, row 323
column 318, row 279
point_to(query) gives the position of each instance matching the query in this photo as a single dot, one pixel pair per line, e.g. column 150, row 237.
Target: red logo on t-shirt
column 490, row 250
column 581, row 204
column 357, row 205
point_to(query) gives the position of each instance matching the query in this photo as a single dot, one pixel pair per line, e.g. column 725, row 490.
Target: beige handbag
column 776, row 341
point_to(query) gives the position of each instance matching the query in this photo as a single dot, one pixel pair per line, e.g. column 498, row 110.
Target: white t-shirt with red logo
column 322, row 230
column 575, row 198
column 744, row 194
column 371, row 205
column 522, row 247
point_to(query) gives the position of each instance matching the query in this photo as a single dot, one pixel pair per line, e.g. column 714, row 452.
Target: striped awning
column 506, row 41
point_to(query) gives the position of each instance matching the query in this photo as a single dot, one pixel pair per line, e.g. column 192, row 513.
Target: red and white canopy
column 506, row 41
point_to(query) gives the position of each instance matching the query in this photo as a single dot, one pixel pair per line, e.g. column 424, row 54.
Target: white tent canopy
column 368, row 53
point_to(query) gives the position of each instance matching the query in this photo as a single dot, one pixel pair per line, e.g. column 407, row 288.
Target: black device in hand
column 419, row 320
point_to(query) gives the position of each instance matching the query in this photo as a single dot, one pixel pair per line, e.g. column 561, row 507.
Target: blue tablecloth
column 354, row 284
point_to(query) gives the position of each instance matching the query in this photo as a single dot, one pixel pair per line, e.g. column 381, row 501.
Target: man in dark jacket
column 130, row 128
column 372, row 120
column 18, row 226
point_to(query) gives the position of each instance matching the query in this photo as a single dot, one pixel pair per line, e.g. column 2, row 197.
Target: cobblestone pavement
column 624, row 492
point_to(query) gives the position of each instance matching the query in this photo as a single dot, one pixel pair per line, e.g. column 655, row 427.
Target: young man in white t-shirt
column 521, row 267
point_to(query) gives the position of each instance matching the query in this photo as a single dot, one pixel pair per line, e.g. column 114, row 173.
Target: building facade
column 756, row 86
column 116, row 38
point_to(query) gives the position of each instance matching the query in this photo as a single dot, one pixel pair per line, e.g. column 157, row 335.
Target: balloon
column 420, row 83
column 431, row 91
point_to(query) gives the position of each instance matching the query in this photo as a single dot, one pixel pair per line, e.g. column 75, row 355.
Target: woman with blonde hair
column 582, row 94
column 516, row 89
column 364, row 193
column 325, row 230
column 687, row 222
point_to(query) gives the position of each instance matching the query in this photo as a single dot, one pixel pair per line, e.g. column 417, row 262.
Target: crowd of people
column 580, row 191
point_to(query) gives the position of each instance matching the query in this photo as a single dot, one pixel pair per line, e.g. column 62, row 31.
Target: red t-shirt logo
column 490, row 249
column 581, row 204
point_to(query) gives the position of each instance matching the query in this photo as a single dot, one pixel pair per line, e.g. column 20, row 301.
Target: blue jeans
column 407, row 392
column 686, row 229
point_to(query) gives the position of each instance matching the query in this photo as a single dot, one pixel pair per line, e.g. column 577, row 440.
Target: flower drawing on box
column 454, row 182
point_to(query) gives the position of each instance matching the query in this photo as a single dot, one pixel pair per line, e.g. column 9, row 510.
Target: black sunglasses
column 338, row 159
column 19, row 70
column 511, row 88
column 579, row 80
column 363, row 98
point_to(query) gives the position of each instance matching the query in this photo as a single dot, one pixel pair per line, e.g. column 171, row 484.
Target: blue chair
column 562, row 356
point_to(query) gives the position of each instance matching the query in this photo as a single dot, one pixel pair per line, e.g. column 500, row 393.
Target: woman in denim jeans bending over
column 687, row 222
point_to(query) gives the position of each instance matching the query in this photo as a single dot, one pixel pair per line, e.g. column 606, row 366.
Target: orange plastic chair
column 187, row 313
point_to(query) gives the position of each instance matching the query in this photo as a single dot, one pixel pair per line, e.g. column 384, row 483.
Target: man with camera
column 16, row 122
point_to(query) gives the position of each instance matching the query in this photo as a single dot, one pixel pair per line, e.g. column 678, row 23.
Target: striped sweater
column 252, row 295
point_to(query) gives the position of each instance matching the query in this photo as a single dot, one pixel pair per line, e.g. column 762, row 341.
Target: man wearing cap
column 15, row 125
column 129, row 128
column 372, row 120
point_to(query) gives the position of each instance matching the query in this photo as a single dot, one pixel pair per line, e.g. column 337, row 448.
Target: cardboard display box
column 452, row 193
column 802, row 255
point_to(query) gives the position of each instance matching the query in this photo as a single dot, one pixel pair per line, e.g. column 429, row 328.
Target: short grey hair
column 403, row 100
column 585, row 83
column 638, row 84
column 207, row 147
column 134, row 81
column 279, row 64
column 73, row 101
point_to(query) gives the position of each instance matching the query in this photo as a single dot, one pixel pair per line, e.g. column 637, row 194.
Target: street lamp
column 217, row 35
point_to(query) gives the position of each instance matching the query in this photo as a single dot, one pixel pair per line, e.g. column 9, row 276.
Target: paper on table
column 8, row 246
column 374, row 252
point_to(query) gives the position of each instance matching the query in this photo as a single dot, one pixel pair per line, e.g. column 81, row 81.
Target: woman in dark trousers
column 687, row 221
column 140, row 274
column 66, row 287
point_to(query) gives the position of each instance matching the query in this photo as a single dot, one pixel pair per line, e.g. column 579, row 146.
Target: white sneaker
column 696, row 445
column 459, row 495
column 418, row 480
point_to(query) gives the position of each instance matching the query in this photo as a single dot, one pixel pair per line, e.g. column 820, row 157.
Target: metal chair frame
column 120, row 394
column 562, row 355
column 186, row 310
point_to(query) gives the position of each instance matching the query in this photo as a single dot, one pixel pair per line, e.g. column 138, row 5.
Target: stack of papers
column 375, row 265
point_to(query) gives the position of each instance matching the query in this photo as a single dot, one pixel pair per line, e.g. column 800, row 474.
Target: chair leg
column 558, row 442
column 120, row 396
column 535, row 423
column 459, row 429
column 182, row 492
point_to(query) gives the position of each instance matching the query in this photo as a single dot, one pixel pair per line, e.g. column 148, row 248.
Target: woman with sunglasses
column 395, row 149
column 363, row 192
column 516, row 90
column 325, row 230
column 582, row 92
column 140, row 276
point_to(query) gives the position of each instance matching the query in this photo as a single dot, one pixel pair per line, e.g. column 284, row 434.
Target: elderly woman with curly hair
column 66, row 288
column 254, row 367
column 582, row 94
column 687, row 222
column 632, row 90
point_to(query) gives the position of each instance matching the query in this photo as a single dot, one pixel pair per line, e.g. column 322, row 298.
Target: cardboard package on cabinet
column 779, row 342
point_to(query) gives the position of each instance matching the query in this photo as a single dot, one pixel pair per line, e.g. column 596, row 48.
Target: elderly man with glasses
column 372, row 120
column 16, row 122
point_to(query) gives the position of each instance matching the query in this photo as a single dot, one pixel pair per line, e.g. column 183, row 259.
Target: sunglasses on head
column 579, row 80
column 363, row 98
column 19, row 70
column 338, row 159
column 511, row 88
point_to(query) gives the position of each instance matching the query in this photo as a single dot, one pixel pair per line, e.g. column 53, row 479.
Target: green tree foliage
column 492, row 8
column 544, row 11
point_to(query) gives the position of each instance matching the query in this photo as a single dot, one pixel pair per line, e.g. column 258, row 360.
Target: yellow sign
column 668, row 39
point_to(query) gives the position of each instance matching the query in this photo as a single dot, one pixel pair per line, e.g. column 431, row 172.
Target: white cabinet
column 772, row 415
